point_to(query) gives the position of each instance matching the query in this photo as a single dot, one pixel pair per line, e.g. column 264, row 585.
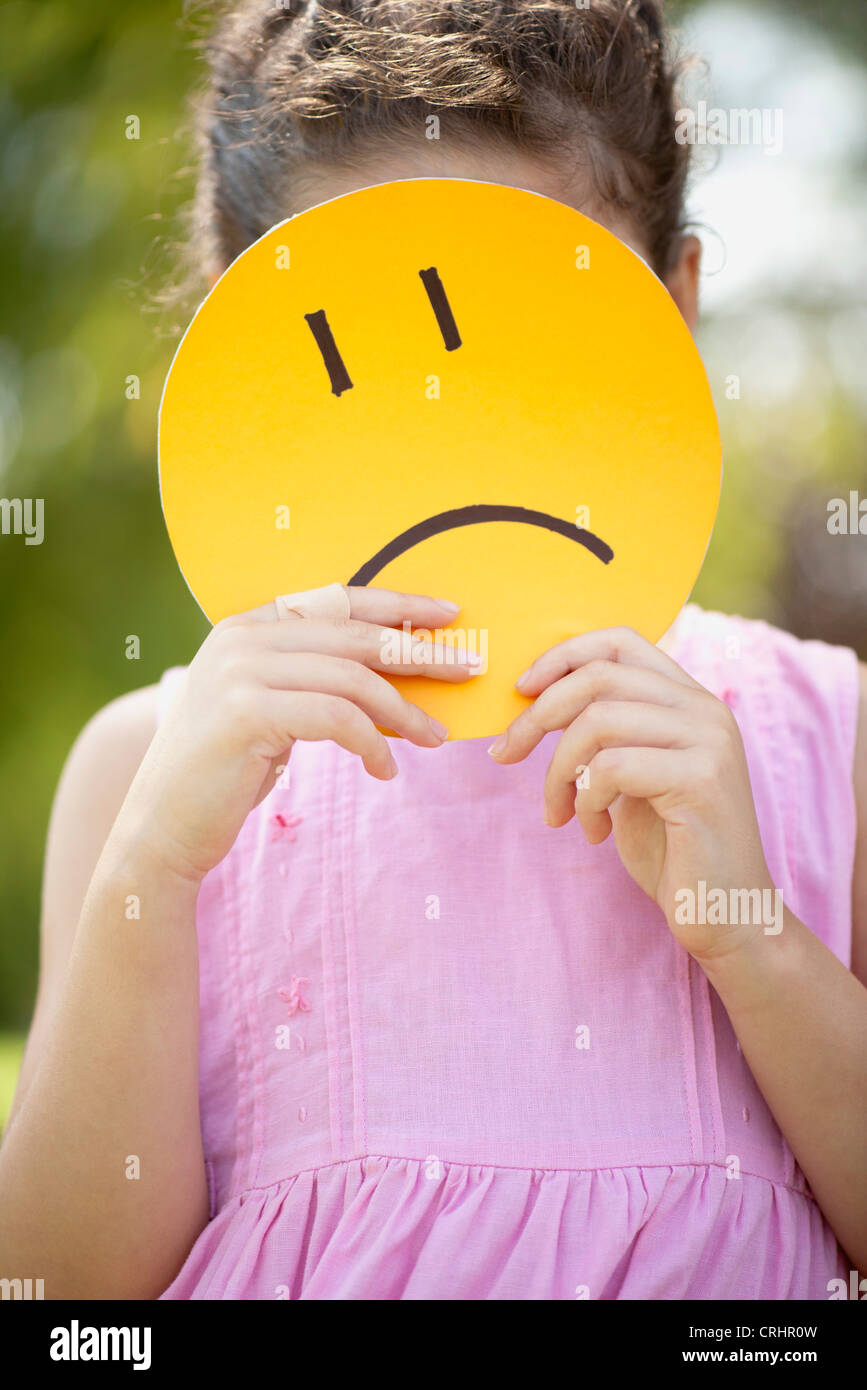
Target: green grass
column 11, row 1049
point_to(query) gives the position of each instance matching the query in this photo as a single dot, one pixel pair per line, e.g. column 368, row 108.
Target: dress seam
column 702, row 1017
column 847, row 701
column 689, row 1059
column 717, row 1123
column 249, row 984
column 688, row 1053
column 242, row 1120
column 329, row 990
column 520, row 1168
column 786, row 760
column 356, row 1033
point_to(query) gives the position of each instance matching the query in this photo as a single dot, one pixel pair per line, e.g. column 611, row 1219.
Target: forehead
column 499, row 162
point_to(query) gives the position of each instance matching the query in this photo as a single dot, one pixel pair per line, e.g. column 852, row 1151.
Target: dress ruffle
column 378, row 1228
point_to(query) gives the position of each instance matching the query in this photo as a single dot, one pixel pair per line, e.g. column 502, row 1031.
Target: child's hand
column 657, row 757
column 258, row 683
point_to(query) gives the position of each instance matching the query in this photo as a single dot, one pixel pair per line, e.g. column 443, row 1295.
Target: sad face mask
column 450, row 388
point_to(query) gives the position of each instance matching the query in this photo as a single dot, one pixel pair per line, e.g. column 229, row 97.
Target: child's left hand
column 656, row 757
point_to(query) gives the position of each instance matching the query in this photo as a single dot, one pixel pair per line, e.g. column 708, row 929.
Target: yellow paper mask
column 453, row 388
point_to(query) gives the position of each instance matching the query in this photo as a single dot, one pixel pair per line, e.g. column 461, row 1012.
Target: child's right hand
column 258, row 683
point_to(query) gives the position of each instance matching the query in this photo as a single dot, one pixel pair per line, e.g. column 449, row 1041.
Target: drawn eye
column 441, row 307
column 334, row 364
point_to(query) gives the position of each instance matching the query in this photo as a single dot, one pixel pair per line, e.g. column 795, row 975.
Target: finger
column 387, row 606
column 559, row 704
column 383, row 649
column 606, row 724
column 595, row 825
column 618, row 644
column 335, row 675
column 329, row 601
column 314, row 716
column 647, row 773
column 393, row 608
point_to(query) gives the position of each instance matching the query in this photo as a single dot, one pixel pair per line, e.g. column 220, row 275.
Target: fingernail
column 447, row 603
column 439, row 729
column 393, row 769
column 547, row 819
column 522, row 678
column 498, row 747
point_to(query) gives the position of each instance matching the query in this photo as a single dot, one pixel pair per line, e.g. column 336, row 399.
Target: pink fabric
column 393, row 1102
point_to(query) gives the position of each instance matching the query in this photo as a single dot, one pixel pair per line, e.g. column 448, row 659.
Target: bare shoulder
column 129, row 722
column 99, row 769
column 107, row 752
column 859, row 883
column 95, row 779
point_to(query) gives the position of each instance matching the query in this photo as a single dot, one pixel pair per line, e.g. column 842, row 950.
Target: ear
column 682, row 280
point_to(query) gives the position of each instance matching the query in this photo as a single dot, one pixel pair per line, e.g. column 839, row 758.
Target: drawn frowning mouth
column 473, row 516
column 458, row 516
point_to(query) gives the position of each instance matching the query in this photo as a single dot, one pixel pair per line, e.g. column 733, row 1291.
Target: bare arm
column 102, row 1183
column 94, row 782
column 801, row 1019
column 113, row 1046
column 666, row 772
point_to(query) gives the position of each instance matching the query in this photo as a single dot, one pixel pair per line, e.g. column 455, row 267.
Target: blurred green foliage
column 86, row 226
column 85, row 215
column 11, row 1049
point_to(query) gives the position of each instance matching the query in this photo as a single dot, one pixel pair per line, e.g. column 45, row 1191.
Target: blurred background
column 88, row 230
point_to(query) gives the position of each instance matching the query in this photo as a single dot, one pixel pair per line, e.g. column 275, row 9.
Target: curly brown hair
column 301, row 84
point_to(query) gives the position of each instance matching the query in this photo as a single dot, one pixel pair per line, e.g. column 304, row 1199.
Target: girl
column 367, row 1035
